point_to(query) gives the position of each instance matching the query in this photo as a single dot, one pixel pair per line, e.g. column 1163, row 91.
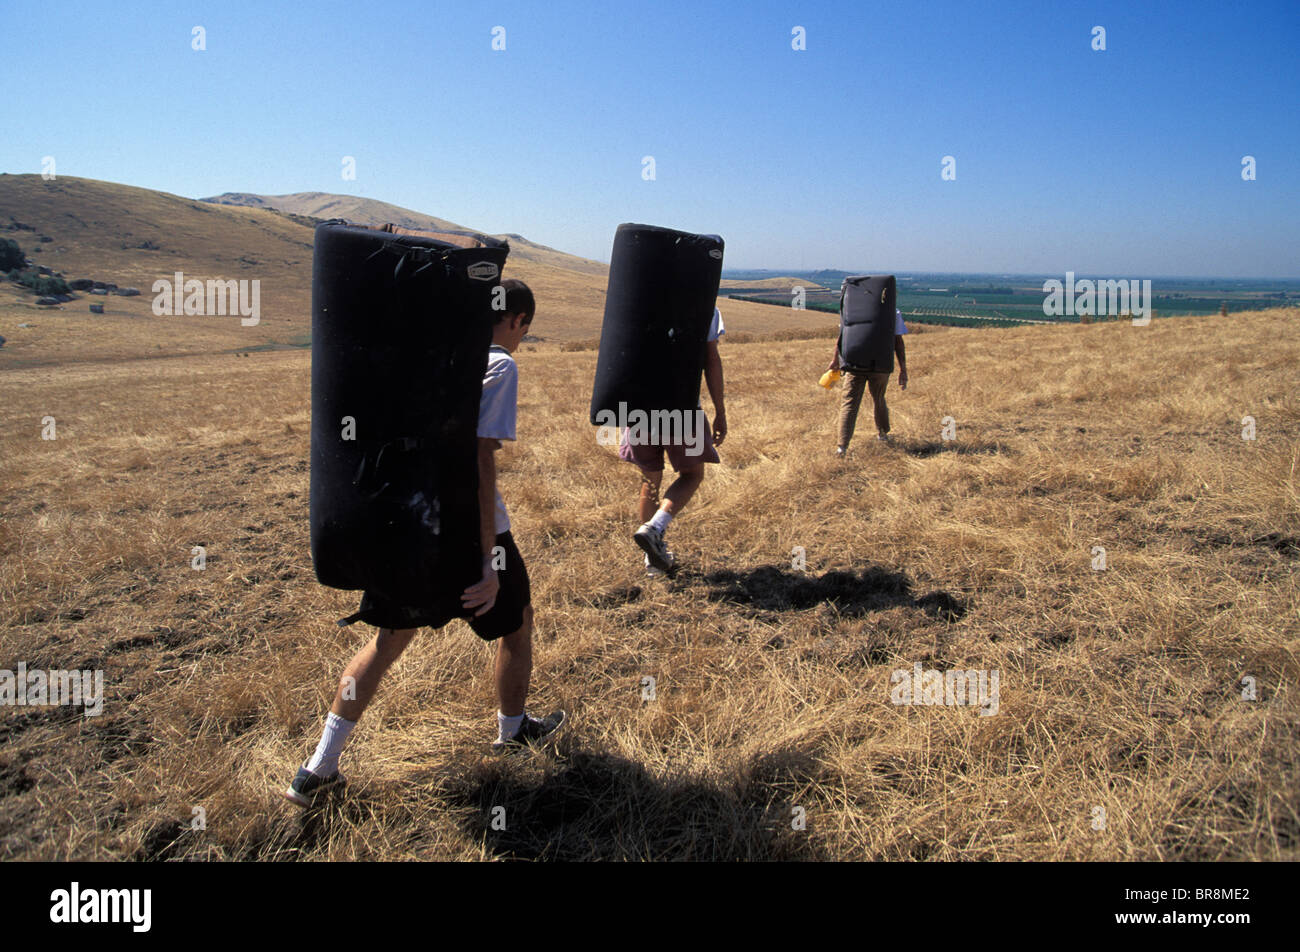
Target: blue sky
column 1123, row 162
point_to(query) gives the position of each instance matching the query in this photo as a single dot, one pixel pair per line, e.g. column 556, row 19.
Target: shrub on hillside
column 42, row 284
column 11, row 256
column 48, row 284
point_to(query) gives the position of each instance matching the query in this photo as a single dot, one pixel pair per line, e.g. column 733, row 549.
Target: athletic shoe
column 653, row 571
column 652, row 541
column 307, row 787
column 839, row 452
column 532, row 731
column 884, row 438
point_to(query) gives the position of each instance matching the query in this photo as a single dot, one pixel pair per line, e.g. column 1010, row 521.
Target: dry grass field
column 1120, row 690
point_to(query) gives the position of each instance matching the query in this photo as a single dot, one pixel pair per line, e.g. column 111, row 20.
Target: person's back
column 687, row 454
column 498, row 607
column 855, row 381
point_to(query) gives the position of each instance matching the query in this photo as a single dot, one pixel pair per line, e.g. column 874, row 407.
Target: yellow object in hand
column 829, row 378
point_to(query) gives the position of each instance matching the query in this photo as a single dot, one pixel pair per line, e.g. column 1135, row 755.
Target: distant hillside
column 754, row 277
column 772, row 284
column 133, row 237
column 368, row 211
column 130, row 235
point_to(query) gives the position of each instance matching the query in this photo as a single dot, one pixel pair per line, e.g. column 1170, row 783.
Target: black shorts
column 505, row 618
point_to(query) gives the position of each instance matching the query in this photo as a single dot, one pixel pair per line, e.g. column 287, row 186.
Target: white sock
column 508, row 727
column 659, row 522
column 325, row 762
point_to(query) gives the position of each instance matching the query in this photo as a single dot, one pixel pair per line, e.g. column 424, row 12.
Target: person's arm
column 487, row 494
column 901, row 351
column 835, row 357
column 713, row 379
column 483, row 595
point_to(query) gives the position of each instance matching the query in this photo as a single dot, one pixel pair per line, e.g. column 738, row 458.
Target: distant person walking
column 855, row 381
column 499, row 606
column 687, row 456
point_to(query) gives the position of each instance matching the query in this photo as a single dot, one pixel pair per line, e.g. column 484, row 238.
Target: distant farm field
column 972, row 305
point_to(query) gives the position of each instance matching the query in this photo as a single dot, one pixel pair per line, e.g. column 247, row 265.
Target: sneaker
column 308, row 787
column 839, row 452
column 531, row 732
column 884, row 438
column 652, row 541
column 653, row 571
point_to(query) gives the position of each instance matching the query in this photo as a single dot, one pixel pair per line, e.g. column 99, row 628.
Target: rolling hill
column 130, row 236
column 324, row 206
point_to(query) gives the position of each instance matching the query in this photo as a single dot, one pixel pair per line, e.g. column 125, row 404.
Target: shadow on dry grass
column 850, row 594
column 578, row 810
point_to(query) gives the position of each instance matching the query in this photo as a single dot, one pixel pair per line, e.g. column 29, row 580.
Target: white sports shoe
column 652, row 542
column 653, row 571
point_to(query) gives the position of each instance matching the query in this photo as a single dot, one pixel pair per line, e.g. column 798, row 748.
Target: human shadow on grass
column 852, row 594
column 564, row 804
column 600, row 806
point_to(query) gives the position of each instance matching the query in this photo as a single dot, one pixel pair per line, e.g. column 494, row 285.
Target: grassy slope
column 97, row 228
column 1119, row 689
column 325, row 205
column 775, row 284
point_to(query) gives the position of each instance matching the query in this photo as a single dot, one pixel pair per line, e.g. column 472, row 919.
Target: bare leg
column 362, row 675
column 514, row 667
column 648, row 504
column 682, row 489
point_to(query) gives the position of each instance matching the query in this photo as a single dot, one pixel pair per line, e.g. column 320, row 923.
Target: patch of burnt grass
column 130, row 644
column 14, row 779
column 616, row 598
column 164, row 840
column 1286, row 545
column 120, row 739
column 942, row 605
column 923, row 449
column 1275, row 541
column 1056, row 639
column 14, row 724
column 788, row 770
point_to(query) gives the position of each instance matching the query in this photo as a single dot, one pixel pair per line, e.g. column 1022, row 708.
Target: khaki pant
column 852, row 387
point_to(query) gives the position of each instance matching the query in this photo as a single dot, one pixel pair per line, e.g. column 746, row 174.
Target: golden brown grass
column 1119, row 689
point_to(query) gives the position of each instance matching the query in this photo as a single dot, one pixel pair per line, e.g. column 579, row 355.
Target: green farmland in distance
column 1004, row 300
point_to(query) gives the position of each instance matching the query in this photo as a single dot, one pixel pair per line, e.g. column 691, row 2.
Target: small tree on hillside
column 11, row 256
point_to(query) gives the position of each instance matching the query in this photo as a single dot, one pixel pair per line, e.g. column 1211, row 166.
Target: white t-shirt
column 716, row 329
column 497, row 411
column 899, row 326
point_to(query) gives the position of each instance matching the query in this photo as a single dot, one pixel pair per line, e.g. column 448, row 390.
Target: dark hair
column 519, row 300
